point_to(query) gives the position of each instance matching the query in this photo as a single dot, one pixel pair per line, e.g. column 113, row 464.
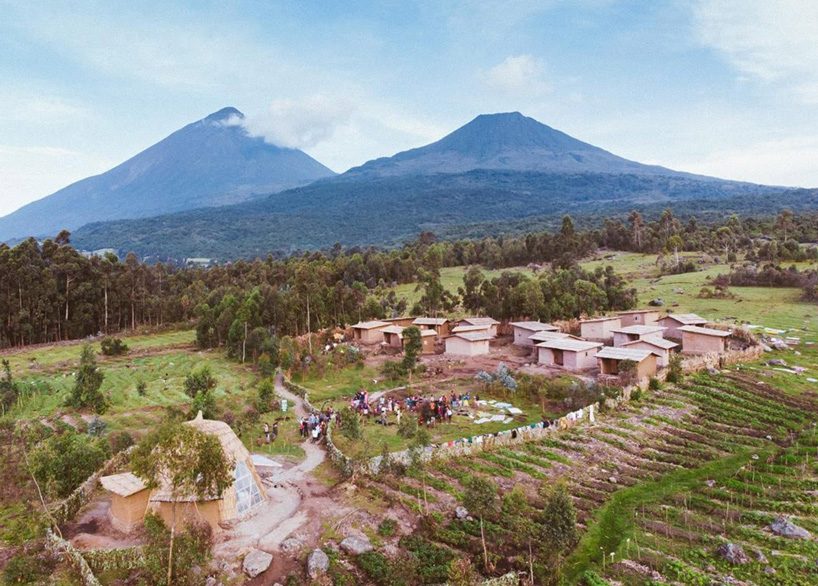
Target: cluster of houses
column 642, row 336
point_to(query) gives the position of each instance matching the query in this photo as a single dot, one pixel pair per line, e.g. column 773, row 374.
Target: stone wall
column 124, row 558
column 714, row 360
column 72, row 557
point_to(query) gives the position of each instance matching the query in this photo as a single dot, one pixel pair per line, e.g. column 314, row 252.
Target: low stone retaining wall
column 65, row 510
column 72, row 556
column 698, row 362
column 125, row 558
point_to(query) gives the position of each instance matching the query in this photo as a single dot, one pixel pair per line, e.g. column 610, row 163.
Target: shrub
column 141, row 388
column 97, row 427
column 351, row 424
column 393, row 370
column 266, row 395
column 204, row 402
column 387, row 527
column 113, row 347
column 674, row 371
column 199, row 381
column 28, row 568
column 9, row 391
column 636, row 394
column 462, row 573
column 88, row 380
column 191, row 548
column 408, row 427
column 119, row 441
column 63, row 462
column 654, row 384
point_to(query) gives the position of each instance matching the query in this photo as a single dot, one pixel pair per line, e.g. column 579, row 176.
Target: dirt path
column 295, row 499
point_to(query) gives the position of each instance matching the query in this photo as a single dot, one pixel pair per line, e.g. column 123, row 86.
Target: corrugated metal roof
column 124, row 484
column 620, row 353
column 639, row 330
column 569, row 345
column 704, row 331
column 475, row 337
column 631, row 311
column 534, row 326
column 687, row 319
column 470, row 328
column 603, row 318
column 658, row 342
column 370, row 325
column 546, row 335
column 430, row 321
column 481, row 321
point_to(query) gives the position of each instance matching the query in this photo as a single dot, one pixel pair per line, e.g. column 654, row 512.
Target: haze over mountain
column 496, row 170
column 210, row 162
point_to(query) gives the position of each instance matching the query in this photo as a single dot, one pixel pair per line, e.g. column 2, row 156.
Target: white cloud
column 772, row 41
column 520, row 75
column 786, row 161
column 30, row 107
column 299, row 124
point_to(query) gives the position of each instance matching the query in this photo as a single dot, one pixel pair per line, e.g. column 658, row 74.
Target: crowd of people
column 428, row 410
column 314, row 426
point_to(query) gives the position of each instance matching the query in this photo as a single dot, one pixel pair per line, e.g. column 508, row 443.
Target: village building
column 468, row 344
column 464, row 329
column 393, row 337
column 439, row 324
column 697, row 340
column 673, row 321
column 545, row 336
column 129, row 500
column 659, row 346
column 568, row 353
column 610, row 359
column 524, row 329
column 639, row 317
column 369, row 332
column 489, row 322
column 404, row 321
column 239, row 499
column 599, row 329
column 624, row 335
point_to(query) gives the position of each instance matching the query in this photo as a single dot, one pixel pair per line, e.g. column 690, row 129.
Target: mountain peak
column 225, row 114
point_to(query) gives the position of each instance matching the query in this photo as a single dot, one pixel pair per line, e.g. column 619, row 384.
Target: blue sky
column 723, row 87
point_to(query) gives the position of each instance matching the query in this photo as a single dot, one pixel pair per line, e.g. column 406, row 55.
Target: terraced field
column 658, row 485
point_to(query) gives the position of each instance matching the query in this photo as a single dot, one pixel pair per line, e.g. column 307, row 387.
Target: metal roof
column 475, row 337
column 370, row 325
column 534, row 326
column 629, row 311
column 704, row 331
column 639, row 330
column 546, row 335
column 470, row 328
column 620, row 353
column 480, row 321
column 688, row 319
column 124, row 484
column 569, row 345
column 658, row 342
column 430, row 321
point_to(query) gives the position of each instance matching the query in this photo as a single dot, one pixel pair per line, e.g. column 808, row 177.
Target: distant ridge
column 497, row 170
column 210, row 162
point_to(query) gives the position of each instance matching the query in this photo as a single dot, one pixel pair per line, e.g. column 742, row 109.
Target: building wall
column 428, row 345
column 693, row 343
column 599, row 331
column 620, row 339
column 521, row 337
column 639, row 319
column 672, row 326
column 573, row 361
column 460, row 347
column 664, row 355
column 209, row 512
column 373, row 336
column 393, row 340
column 128, row 513
column 646, row 368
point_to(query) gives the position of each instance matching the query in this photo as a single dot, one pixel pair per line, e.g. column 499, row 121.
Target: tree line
column 51, row 292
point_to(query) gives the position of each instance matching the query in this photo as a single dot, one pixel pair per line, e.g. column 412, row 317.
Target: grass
column 344, row 383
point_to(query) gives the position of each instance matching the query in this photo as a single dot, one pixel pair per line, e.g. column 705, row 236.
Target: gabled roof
column 480, row 321
column 471, row 328
column 393, row 330
column 370, row 325
column 569, row 345
column 430, row 321
column 686, row 319
column 124, row 484
column 704, row 331
column 631, row 311
column 657, row 342
column 620, row 353
column 603, row 318
column 639, row 330
column 546, row 335
column 475, row 336
column 534, row 326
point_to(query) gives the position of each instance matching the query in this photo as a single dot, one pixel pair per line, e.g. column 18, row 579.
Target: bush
column 387, row 527
column 408, row 427
column 9, row 391
column 674, row 372
column 636, row 394
column 88, row 380
column 204, row 402
column 191, row 548
column 199, row 381
column 141, row 388
column 113, row 347
column 266, row 396
column 97, row 427
column 28, row 568
column 64, row 461
column 654, row 384
column 119, row 441
column 393, row 370
column 350, row 424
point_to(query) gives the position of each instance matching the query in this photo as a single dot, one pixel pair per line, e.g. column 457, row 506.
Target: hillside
column 495, row 170
column 210, row 162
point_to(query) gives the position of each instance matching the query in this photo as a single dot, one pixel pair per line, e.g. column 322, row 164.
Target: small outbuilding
column 568, row 353
column 524, row 329
column 468, row 344
column 440, row 325
column 393, row 337
column 631, row 333
column 673, row 321
column 489, row 322
column 369, row 332
column 639, row 317
column 129, row 500
column 545, row 336
column 404, row 321
column 599, row 329
column 466, row 329
column 659, row 346
column 696, row 340
column 610, row 360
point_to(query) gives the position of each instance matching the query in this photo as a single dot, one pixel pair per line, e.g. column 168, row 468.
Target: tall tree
column 87, row 382
column 480, row 498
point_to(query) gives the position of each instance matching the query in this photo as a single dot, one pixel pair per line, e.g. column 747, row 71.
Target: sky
column 721, row 87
